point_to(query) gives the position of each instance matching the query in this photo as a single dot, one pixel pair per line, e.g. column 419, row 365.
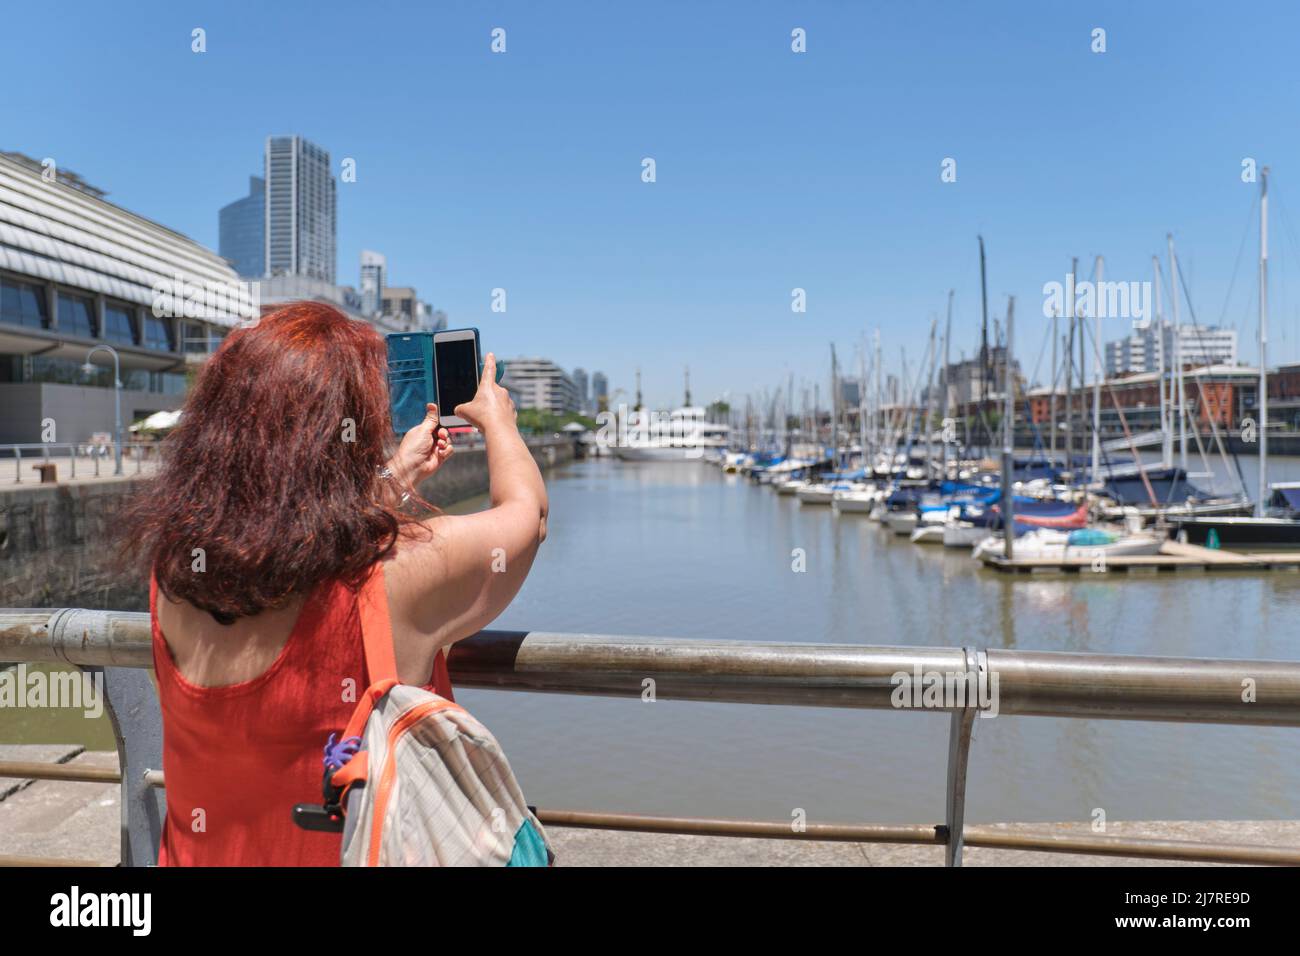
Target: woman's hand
column 423, row 449
column 491, row 405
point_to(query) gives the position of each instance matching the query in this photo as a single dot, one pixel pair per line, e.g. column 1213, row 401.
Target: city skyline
column 775, row 170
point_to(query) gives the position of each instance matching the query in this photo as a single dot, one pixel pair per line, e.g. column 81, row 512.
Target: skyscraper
column 373, row 273
column 580, row 382
column 241, row 227
column 301, row 209
column 599, row 391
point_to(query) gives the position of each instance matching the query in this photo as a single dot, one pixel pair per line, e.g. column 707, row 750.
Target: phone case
column 412, row 383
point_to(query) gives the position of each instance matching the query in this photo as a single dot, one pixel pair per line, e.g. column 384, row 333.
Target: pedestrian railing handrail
column 993, row 681
column 31, row 454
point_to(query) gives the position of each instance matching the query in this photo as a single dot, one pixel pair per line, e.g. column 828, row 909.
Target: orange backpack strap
column 361, row 713
column 377, row 627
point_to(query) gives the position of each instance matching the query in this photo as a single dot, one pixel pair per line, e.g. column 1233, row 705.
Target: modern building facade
column 242, row 231
column 76, row 272
column 374, row 267
column 580, row 383
column 1150, row 344
column 540, row 383
column 301, row 209
column 599, row 391
column 969, row 382
column 402, row 308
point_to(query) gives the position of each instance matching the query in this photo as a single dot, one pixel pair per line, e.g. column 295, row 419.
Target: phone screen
column 457, row 366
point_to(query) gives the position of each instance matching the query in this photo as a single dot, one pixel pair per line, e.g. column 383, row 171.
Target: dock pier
column 1173, row 556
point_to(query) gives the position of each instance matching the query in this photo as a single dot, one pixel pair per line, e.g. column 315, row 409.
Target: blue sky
column 775, row 170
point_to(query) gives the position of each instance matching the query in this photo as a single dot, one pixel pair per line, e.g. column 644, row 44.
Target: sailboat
column 1276, row 521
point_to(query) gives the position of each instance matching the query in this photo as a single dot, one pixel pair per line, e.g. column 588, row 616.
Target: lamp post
column 88, row 368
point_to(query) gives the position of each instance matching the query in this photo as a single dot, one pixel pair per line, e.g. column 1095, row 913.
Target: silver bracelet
column 387, row 473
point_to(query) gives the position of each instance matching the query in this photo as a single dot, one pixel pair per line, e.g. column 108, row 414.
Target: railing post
column 132, row 706
column 959, row 733
column 18, row 464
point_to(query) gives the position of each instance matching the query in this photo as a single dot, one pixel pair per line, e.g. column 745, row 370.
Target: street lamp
column 89, row 369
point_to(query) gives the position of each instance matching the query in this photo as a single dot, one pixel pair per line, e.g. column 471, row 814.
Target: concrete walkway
column 80, row 821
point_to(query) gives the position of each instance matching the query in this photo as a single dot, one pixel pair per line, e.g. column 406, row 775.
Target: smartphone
column 457, row 364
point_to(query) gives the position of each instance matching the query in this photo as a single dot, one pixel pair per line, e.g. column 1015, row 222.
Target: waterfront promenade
column 63, row 820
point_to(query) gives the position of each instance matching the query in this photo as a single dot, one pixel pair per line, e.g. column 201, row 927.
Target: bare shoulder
column 453, row 574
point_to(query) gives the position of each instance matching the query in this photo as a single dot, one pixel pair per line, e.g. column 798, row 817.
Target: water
column 681, row 550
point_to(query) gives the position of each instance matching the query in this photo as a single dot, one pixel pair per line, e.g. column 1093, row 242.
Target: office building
column 77, row 271
column 401, row 308
column 540, row 383
column 580, row 383
column 373, row 275
column 599, row 391
column 301, row 209
column 1197, row 345
column 242, row 231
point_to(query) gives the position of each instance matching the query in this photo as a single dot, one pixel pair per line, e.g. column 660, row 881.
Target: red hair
column 273, row 470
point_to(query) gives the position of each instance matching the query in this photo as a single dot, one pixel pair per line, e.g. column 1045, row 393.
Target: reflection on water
column 682, row 550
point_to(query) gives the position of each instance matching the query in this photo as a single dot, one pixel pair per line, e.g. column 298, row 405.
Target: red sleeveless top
column 237, row 758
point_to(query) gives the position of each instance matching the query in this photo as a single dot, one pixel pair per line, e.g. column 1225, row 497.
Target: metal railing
column 93, row 458
column 1050, row 684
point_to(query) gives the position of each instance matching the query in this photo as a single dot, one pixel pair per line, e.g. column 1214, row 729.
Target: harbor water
column 683, row 550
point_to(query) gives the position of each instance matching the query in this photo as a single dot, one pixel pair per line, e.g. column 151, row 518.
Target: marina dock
column 1173, row 556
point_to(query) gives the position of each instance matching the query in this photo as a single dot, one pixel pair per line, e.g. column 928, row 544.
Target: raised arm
column 459, row 572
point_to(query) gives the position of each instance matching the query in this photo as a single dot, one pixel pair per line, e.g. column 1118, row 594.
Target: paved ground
column 85, row 470
column 80, row 821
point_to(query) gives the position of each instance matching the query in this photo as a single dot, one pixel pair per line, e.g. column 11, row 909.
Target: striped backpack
column 415, row 780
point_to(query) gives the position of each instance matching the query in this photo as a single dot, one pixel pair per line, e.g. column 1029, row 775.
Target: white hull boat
column 1088, row 543
column 855, row 502
column 963, row 534
column 816, row 494
column 901, row 522
column 928, row 534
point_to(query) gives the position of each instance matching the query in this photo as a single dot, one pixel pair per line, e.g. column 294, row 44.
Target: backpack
column 415, row 779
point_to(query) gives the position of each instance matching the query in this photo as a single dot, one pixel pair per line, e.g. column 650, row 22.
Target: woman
column 277, row 506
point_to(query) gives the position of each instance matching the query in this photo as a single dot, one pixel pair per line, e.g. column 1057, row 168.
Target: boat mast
column 1051, row 398
column 947, row 392
column 1166, row 436
column 862, row 399
column 1008, row 437
column 835, row 410
column 1263, row 343
column 1180, row 402
column 930, row 403
column 879, row 408
column 1069, row 370
column 789, row 412
column 1096, row 375
column 984, row 345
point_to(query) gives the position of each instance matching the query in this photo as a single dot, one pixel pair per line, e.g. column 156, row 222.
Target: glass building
column 77, row 271
column 242, row 227
column 301, row 210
